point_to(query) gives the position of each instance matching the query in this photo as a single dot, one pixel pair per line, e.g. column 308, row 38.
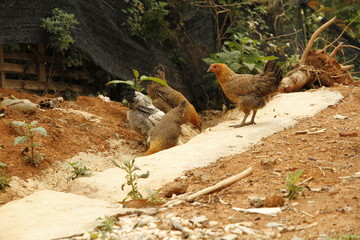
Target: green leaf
column 117, row 164
column 131, row 83
column 3, row 165
column 144, row 175
column 158, row 80
column 40, row 130
column 136, row 73
column 19, row 140
column 18, row 123
column 250, row 66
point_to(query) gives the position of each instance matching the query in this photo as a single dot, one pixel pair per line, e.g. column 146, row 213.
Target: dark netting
column 101, row 36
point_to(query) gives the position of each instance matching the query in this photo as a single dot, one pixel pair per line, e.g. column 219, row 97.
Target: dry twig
column 220, row 185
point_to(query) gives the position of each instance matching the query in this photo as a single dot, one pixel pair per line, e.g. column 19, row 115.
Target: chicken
column 165, row 98
column 142, row 115
column 166, row 133
column 248, row 92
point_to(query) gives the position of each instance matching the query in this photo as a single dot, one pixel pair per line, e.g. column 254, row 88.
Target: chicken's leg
column 242, row 122
column 253, row 117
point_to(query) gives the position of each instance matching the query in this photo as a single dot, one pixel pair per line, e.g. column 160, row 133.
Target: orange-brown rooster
column 248, row 92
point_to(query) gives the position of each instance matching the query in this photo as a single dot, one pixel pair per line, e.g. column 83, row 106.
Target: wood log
column 295, row 80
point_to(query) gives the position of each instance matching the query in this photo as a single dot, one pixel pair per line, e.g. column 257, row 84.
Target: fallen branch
column 324, row 49
column 220, row 185
column 313, row 38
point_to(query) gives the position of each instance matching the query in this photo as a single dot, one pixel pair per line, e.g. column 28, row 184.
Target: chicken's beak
column 209, row 69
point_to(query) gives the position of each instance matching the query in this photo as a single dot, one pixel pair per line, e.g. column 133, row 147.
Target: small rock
column 338, row 116
column 256, row 201
column 346, row 209
column 176, row 224
column 274, row 201
column 268, row 161
column 296, row 238
column 228, row 237
column 176, row 188
column 199, row 221
column 206, row 177
column 274, row 224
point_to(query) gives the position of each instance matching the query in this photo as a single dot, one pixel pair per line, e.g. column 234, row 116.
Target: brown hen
column 166, row 98
column 248, row 92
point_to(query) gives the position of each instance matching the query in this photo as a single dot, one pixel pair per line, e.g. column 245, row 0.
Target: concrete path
column 46, row 215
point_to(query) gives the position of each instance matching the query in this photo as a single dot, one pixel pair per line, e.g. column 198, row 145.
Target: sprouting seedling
column 131, row 178
column 30, row 131
column 4, row 181
column 107, row 223
column 153, row 197
column 292, row 189
column 135, row 83
column 78, row 170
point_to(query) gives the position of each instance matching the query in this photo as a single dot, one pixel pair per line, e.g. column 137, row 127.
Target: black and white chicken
column 142, row 115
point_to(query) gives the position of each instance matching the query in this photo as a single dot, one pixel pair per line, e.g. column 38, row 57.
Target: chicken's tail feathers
column 271, row 66
column 129, row 95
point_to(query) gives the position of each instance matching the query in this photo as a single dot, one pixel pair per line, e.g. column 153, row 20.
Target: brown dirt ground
column 324, row 156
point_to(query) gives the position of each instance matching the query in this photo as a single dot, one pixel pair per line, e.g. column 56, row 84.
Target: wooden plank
column 40, row 86
column 20, row 56
column 17, row 68
column 73, row 74
column 2, row 74
column 42, row 67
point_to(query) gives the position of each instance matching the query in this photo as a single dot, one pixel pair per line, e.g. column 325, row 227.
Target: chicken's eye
column 215, row 66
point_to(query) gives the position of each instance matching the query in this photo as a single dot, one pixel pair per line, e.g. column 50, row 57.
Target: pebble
column 168, row 226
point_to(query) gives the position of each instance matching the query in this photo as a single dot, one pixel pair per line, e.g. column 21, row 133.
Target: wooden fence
column 41, row 68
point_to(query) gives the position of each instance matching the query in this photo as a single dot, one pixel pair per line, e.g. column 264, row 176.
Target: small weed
column 78, row 170
column 107, row 224
column 292, row 189
column 4, row 181
column 135, row 83
column 131, row 178
column 154, row 198
column 30, row 131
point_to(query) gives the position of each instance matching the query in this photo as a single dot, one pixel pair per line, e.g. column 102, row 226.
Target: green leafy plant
column 135, row 83
column 131, row 178
column 106, row 226
column 292, row 190
column 242, row 55
column 153, row 196
column 78, row 170
column 147, row 19
column 4, row 181
column 30, row 131
column 60, row 25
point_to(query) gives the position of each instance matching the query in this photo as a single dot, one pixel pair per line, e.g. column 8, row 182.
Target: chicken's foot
column 243, row 123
